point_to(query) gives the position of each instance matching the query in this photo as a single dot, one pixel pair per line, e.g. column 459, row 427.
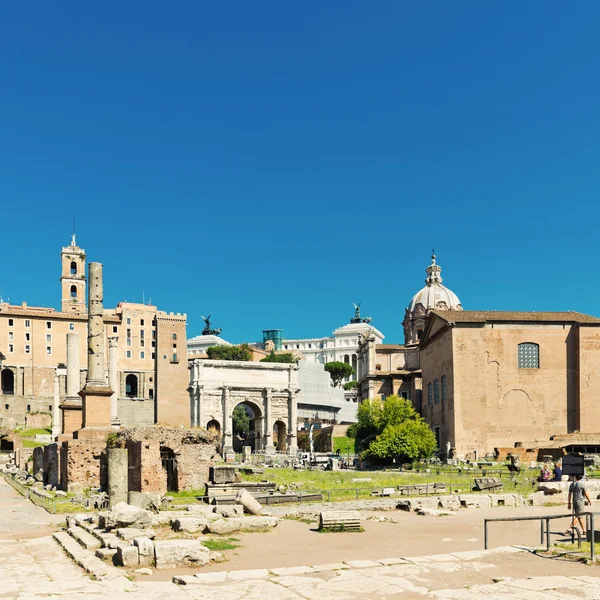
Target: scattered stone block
column 147, row 500
column 129, row 533
column 224, row 474
column 124, row 515
column 145, row 550
column 190, row 525
column 258, row 523
column 230, row 512
column 225, row 526
column 128, row 556
column 61, row 494
column 180, row 553
column 106, row 553
column 144, row 571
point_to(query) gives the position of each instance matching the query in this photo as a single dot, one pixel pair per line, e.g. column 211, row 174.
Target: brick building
column 149, row 353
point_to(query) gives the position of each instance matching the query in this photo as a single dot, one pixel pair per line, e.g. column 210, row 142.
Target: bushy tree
column 350, row 385
column 406, row 442
column 338, row 371
column 240, row 420
column 392, row 429
column 242, row 352
column 279, row 358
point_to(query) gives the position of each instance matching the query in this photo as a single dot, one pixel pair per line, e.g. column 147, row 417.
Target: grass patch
column 32, row 444
column 32, row 432
column 220, row 545
column 339, row 485
column 586, row 548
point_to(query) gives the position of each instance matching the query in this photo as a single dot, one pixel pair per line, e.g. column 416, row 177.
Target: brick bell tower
column 72, row 280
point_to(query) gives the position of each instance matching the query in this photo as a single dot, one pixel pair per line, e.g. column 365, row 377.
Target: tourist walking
column 578, row 498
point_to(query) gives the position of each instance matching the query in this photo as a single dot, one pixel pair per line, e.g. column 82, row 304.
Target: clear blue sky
column 271, row 162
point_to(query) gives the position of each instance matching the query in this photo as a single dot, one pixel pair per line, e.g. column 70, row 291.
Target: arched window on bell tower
column 73, row 279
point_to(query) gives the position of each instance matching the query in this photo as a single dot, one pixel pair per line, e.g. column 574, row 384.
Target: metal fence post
column 592, row 538
column 541, row 531
column 547, row 535
column 485, row 534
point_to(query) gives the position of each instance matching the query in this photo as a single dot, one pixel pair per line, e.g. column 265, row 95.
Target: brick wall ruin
column 165, row 459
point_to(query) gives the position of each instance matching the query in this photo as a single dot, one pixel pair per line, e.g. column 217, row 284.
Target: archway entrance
column 6, row 445
column 169, row 465
column 246, row 420
column 280, row 436
column 131, row 386
column 213, row 426
column 7, row 382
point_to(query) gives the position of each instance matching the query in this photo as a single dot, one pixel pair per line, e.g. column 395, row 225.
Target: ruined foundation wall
column 83, row 462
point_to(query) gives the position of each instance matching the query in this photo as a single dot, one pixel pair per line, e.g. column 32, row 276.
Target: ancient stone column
column 227, row 425
column 73, row 377
column 118, row 473
column 95, row 374
column 268, row 423
column 56, row 425
column 199, row 407
column 293, row 416
column 96, row 394
column 193, row 368
column 113, row 379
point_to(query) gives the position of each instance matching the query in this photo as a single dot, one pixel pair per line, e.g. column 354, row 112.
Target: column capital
column 113, row 341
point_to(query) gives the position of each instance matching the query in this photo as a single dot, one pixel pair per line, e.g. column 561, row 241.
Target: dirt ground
column 294, row 543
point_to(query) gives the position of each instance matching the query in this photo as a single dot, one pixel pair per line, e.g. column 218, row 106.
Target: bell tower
column 73, row 279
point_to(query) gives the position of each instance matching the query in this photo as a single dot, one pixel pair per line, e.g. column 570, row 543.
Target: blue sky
column 272, row 162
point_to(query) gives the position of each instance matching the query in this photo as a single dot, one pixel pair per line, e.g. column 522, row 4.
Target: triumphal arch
column 268, row 392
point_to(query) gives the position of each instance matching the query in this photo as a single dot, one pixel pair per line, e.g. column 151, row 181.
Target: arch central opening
column 247, row 420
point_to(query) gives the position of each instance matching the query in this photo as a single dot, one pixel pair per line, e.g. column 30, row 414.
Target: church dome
column 434, row 296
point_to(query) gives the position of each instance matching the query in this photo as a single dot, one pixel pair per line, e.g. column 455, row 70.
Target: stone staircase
column 87, row 544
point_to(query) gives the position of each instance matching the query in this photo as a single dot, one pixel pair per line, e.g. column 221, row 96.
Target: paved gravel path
column 33, row 567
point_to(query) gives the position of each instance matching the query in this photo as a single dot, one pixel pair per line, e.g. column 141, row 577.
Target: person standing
column 578, row 498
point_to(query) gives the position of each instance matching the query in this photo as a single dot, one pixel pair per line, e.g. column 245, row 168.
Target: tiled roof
column 484, row 316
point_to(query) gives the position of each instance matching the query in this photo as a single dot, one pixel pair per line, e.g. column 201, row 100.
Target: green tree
column 240, row 419
column 406, row 442
column 279, row 358
column 338, row 371
column 242, row 352
column 350, row 385
column 392, row 429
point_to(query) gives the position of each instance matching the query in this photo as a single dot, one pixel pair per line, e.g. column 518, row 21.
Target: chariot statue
column 207, row 329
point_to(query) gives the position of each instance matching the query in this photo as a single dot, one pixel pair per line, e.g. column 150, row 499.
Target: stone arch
column 280, row 436
column 253, row 437
column 213, row 426
column 7, row 382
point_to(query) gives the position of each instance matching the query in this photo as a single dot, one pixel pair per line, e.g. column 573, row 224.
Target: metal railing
column 545, row 531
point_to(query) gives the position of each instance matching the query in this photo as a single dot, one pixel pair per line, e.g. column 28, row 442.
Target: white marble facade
column 342, row 346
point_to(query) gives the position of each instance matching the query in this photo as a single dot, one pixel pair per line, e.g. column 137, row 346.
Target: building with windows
column 494, row 380
column 147, row 345
column 342, row 346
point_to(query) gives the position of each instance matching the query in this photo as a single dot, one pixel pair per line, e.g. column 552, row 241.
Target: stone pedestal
column 71, row 417
column 118, row 473
column 96, row 411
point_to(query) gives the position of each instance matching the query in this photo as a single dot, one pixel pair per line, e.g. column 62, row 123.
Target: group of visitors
column 554, row 475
